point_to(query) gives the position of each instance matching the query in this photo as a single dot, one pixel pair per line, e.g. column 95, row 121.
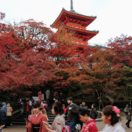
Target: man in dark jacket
column 72, row 114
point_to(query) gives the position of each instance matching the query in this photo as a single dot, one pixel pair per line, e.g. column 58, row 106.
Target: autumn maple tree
column 122, row 47
column 32, row 55
column 122, row 51
column 67, row 55
column 24, row 53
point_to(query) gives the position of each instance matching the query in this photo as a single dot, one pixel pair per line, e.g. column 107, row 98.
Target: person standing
column 3, row 111
column 47, row 93
column 111, row 117
column 48, row 98
column 9, row 114
column 126, row 109
column 59, row 121
column 21, row 105
column 35, row 121
column 93, row 112
column 83, row 105
column 72, row 114
column 129, row 118
column 89, row 123
column 27, row 108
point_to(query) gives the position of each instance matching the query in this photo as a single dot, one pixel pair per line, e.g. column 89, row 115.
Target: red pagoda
column 75, row 23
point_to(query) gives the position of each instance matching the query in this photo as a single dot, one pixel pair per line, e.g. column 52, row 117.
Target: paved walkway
column 22, row 129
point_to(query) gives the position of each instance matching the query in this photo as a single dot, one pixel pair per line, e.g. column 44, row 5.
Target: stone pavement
column 99, row 124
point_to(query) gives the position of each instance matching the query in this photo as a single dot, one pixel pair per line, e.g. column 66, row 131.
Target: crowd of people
column 72, row 118
column 69, row 117
column 6, row 112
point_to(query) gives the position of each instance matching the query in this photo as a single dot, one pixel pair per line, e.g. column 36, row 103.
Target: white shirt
column 116, row 128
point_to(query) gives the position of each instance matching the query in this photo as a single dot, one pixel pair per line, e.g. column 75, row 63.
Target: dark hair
column 69, row 98
column 108, row 111
column 83, row 112
column 58, row 108
column 36, row 104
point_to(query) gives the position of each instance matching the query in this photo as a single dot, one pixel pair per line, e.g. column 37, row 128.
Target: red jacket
column 90, row 126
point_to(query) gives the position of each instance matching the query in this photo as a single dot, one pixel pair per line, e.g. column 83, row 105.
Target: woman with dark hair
column 59, row 121
column 111, row 117
column 35, row 121
column 89, row 123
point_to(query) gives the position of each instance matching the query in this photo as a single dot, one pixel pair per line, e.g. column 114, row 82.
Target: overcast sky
column 113, row 16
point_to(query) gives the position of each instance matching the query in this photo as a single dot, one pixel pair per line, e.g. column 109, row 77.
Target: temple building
column 76, row 24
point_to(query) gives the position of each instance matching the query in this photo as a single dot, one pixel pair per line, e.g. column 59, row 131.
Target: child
column 89, row 123
column 111, row 117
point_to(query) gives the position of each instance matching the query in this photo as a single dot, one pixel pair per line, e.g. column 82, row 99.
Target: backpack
column 66, row 128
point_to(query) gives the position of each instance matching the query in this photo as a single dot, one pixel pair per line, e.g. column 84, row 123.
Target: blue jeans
column 72, row 125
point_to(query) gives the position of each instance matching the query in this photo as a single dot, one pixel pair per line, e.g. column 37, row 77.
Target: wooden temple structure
column 76, row 24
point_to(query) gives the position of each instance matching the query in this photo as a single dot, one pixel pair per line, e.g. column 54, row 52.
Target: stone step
column 21, row 120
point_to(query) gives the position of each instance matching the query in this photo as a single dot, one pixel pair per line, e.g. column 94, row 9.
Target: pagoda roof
column 89, row 34
column 64, row 13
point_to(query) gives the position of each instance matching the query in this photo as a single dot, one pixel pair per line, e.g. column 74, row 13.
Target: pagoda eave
column 88, row 36
column 64, row 13
column 86, row 32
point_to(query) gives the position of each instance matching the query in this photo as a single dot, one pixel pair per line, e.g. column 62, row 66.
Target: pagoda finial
column 72, row 5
